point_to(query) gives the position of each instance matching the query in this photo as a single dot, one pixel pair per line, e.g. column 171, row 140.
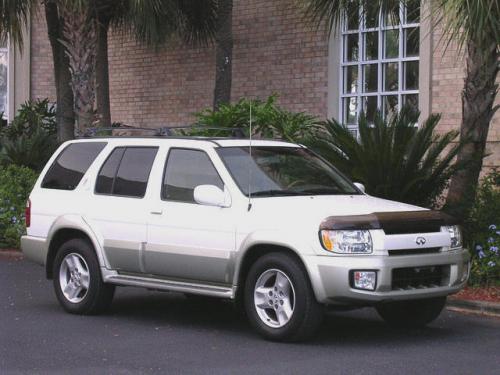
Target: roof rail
column 164, row 131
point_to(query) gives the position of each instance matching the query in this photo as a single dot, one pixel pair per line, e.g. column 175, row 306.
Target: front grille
column 412, row 228
column 420, row 277
column 428, row 250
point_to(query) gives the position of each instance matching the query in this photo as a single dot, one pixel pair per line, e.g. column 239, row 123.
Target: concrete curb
column 476, row 307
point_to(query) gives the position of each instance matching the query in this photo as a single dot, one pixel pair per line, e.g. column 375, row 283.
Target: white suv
column 272, row 226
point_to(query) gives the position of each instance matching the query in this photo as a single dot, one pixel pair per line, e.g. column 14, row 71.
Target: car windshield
column 283, row 171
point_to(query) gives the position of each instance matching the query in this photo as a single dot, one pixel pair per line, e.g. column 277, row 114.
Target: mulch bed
column 10, row 253
column 489, row 294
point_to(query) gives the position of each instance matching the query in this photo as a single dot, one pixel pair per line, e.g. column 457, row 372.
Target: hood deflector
column 400, row 222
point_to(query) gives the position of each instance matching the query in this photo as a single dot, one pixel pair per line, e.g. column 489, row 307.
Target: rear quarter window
column 126, row 172
column 71, row 164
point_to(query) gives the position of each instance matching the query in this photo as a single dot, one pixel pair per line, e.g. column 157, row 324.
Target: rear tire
column 78, row 282
column 411, row 314
column 279, row 300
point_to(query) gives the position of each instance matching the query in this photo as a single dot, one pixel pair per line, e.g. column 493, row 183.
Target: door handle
column 156, row 212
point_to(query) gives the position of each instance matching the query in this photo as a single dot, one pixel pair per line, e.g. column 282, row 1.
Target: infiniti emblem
column 420, row 241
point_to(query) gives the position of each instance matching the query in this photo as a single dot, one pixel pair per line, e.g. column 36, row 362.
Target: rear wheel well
column 255, row 252
column 60, row 237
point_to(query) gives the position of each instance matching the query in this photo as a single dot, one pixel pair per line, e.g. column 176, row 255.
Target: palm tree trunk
column 224, row 53
column 80, row 41
column 102, row 73
column 478, row 99
column 64, row 96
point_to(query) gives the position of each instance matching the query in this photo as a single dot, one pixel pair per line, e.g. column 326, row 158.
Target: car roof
column 186, row 141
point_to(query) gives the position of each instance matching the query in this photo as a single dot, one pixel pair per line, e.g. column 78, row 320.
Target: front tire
column 78, row 282
column 279, row 300
column 411, row 314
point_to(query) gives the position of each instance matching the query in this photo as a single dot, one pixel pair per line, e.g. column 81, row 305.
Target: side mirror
column 360, row 187
column 211, row 195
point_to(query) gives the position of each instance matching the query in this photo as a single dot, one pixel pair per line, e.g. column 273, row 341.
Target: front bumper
column 330, row 276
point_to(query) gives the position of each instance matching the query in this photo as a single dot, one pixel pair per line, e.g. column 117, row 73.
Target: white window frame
column 400, row 60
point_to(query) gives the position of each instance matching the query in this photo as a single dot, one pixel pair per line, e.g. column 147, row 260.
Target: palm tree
column 224, row 53
column 14, row 17
column 108, row 11
column 80, row 41
column 476, row 26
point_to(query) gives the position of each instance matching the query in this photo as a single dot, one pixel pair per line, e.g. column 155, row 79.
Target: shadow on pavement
column 360, row 327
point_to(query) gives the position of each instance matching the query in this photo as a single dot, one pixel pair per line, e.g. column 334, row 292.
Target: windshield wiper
column 325, row 191
column 275, row 192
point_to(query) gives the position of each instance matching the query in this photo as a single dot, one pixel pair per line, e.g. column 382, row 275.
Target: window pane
column 411, row 75
column 350, row 106
column 350, row 79
column 353, row 15
column 107, row 173
column 371, row 14
column 370, row 107
column 390, row 76
column 3, row 81
column 133, row 173
column 185, row 170
column 370, row 78
column 351, row 50
column 413, row 11
column 68, row 169
column 391, row 18
column 391, row 46
column 390, row 105
column 411, row 100
column 412, row 41
column 371, row 46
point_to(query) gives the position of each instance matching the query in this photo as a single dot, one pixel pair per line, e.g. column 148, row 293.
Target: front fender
column 297, row 244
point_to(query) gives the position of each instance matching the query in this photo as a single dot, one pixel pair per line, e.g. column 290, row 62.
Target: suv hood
column 319, row 207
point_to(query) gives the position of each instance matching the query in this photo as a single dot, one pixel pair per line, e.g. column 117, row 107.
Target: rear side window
column 68, row 169
column 107, row 174
column 126, row 171
column 184, row 171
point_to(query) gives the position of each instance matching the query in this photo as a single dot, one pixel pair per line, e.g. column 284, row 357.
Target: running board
column 170, row 285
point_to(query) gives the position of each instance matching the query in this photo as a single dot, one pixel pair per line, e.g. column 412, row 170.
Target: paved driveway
column 152, row 332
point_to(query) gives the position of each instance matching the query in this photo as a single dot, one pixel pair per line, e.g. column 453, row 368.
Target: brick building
column 274, row 51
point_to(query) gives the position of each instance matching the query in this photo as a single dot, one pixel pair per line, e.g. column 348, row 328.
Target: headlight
column 455, row 235
column 347, row 241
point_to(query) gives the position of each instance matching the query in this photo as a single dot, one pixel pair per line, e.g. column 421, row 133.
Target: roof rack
column 165, row 131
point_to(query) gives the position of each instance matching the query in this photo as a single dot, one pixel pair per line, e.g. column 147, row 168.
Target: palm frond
column 469, row 20
column 331, row 12
column 198, row 20
column 14, row 17
column 155, row 22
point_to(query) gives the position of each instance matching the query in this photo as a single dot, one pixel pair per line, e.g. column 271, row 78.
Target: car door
column 187, row 240
column 119, row 212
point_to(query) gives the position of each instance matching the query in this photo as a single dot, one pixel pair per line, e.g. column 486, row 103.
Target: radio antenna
column 250, row 161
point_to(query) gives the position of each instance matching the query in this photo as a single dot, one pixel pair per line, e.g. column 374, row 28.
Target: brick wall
column 274, row 51
column 42, row 71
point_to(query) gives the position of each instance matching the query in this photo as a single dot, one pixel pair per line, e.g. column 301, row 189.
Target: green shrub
column 482, row 232
column 32, row 151
column 15, row 186
column 31, row 117
column 268, row 120
column 30, row 139
column 392, row 158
